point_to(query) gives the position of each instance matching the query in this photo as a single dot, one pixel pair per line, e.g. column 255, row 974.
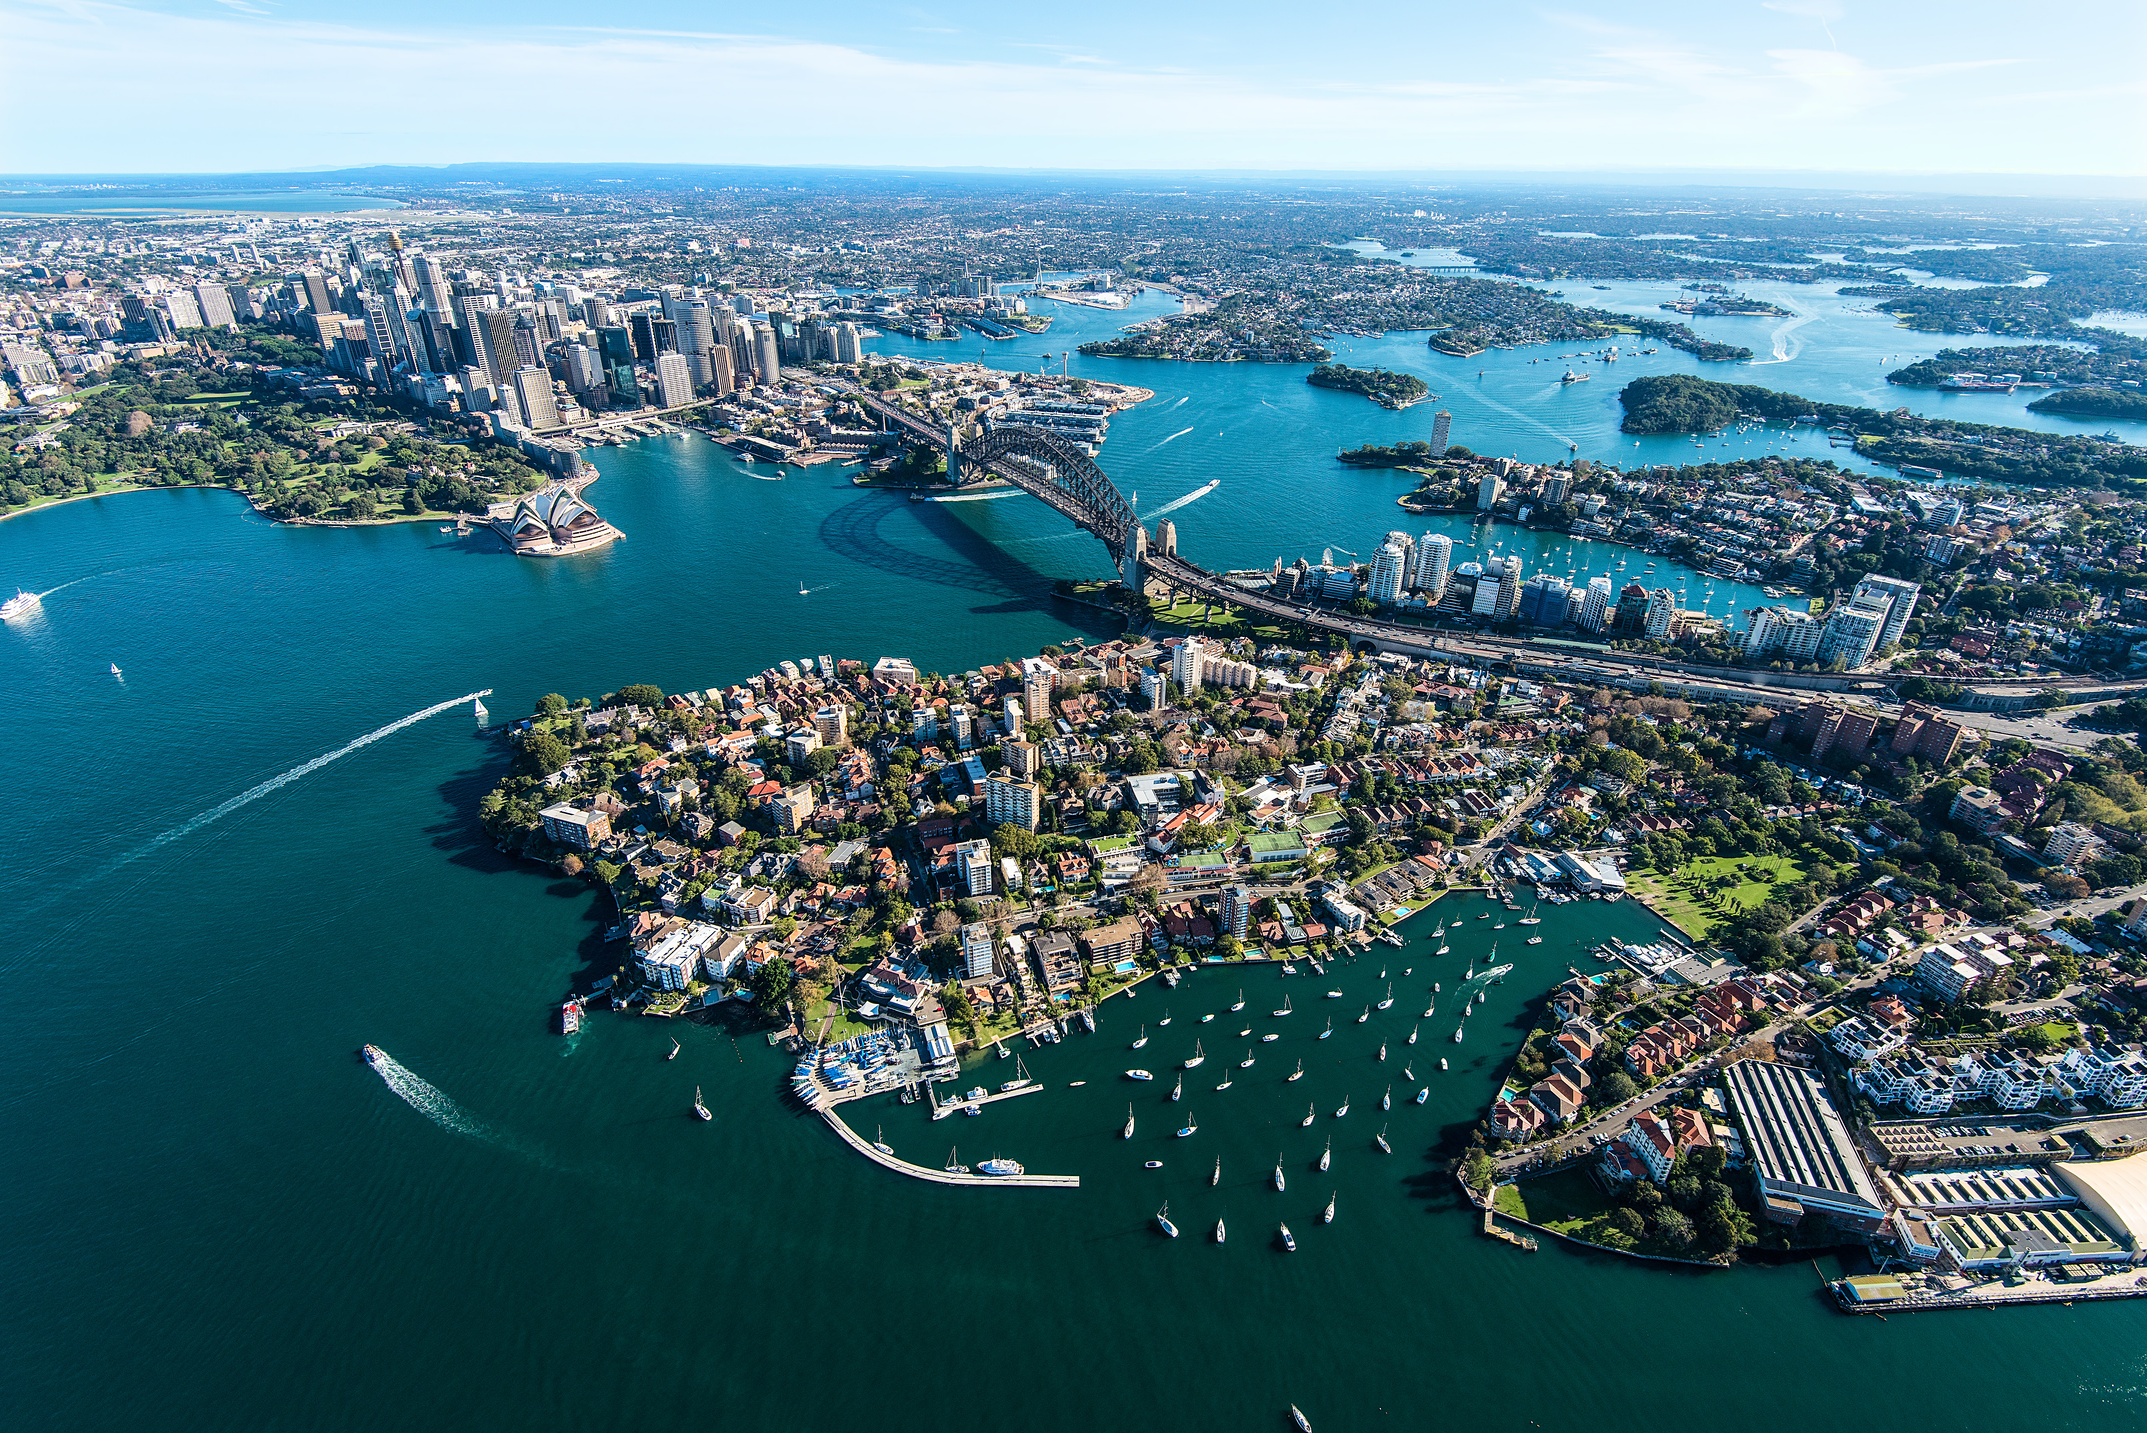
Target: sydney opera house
column 553, row 521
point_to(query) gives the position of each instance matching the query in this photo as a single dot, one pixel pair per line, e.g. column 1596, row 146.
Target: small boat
column 1289, row 1240
column 1297, row 1074
column 1457, row 1033
column 1269, row 1038
column 1389, row 937
column 1483, row 915
column 115, row 669
column 803, row 591
column 1218, row 1231
column 448, row 528
column 374, row 1056
column 1137, row 1044
column 1535, row 940
column 1382, row 1049
column 1177, row 1091
column 699, row 1108
column 1021, row 1079
column 1217, row 1177
column 1342, row 1109
column 1192, row 1127
column 1407, row 1073
column 1409, row 970
column 1442, row 1064
column 1128, row 1134
column 1304, row 1424
column 1317, row 968
column 1412, row 1033
column 1310, row 1115
column 880, row 1143
column 998, row 1166
column 1444, row 950
column 1244, row 1032
column 1199, row 1057
column 1289, row 967
column 1423, row 1094
column 1139, row 1075
column 1240, row 1001
column 952, row 1167
column 1278, row 1174
column 1286, row 1008
column 1328, row 1031
column 1246, row 1063
column 1327, row 1156
column 1500, row 926
column 1153, row 1164
column 674, row 1047
column 1088, row 1018
column 1166, row 1018
column 1207, row 1017
column 1437, row 989
column 1365, row 1016
column 1334, row 995
column 1226, row 1084
column 1428, row 1011
column 1384, row 1004
column 1075, row 1084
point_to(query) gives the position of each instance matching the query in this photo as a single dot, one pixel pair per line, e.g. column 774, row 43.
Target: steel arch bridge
column 1048, row 467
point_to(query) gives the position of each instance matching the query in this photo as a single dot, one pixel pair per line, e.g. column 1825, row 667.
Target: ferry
column 1200, row 1057
column 1289, row 1240
column 21, row 604
column 995, row 1165
column 375, row 1056
column 1139, row 1075
column 1572, row 377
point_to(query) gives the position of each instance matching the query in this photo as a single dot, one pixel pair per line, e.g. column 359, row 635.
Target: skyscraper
column 1632, row 618
column 1442, row 423
column 848, row 347
column 767, row 361
column 1661, row 617
column 1487, row 491
column 616, row 346
column 1853, row 629
column 1900, row 598
column 1509, row 587
column 493, row 332
column 1595, row 605
column 215, row 304
column 1185, row 665
column 1434, row 558
column 533, row 394
column 722, row 379
column 674, row 379
column 1389, row 566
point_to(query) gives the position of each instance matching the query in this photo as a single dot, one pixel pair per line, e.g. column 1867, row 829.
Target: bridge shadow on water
column 854, row 531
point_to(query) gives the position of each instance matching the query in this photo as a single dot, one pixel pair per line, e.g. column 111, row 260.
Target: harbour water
column 216, row 1216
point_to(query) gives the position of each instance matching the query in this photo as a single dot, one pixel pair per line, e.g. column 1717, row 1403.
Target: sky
column 218, row 86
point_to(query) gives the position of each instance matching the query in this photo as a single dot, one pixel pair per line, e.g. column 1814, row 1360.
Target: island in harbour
column 1383, row 386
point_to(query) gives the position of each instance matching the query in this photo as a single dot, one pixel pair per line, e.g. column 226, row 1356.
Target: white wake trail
column 1194, row 495
column 1182, row 401
column 277, row 782
column 1173, row 437
column 1784, row 347
column 427, row 1099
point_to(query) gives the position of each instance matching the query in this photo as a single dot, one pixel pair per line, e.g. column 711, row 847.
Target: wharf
column 1913, row 1293
column 1519, row 1241
column 941, row 1176
column 957, row 1105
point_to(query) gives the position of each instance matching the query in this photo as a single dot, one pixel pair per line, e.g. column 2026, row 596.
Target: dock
column 956, row 1105
column 941, row 1176
column 1519, row 1241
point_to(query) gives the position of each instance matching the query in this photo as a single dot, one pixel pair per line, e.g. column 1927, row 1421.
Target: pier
column 1519, row 1241
column 941, row 1176
column 957, row 1105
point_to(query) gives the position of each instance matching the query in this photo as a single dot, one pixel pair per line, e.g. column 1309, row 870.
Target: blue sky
column 220, row 85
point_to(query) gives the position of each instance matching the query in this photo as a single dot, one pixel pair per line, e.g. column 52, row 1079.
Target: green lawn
column 1690, row 896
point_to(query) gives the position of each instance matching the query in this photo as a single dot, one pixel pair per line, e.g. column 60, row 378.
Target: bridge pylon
column 1131, row 573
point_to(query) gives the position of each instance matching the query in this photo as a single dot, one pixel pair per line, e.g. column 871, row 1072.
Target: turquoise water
column 216, row 1217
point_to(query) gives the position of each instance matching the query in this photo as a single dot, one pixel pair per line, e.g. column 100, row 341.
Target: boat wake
column 1193, row 496
column 1786, row 347
column 1183, row 401
column 1173, row 437
column 275, row 783
column 428, row 1100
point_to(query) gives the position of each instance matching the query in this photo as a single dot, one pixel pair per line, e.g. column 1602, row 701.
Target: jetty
column 1519, row 1241
column 957, row 1105
column 941, row 1176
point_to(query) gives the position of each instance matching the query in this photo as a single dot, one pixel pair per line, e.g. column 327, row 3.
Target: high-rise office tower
column 721, row 377
column 696, row 337
column 533, row 395
column 674, row 380
column 215, row 304
column 767, row 364
column 492, row 333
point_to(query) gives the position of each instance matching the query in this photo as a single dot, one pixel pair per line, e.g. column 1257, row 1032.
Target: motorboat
column 1442, row 1064
column 699, row 1108
column 1075, row 1084
column 375, row 1056
column 1289, row 1240
column 998, row 1166
column 1207, row 1017
column 1296, row 1074
column 1310, row 1115
column 1269, row 1038
column 1152, row 1164
column 1200, row 1057
column 1423, row 1094
column 1342, row 1109
column 1137, row 1044
column 1139, row 1075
